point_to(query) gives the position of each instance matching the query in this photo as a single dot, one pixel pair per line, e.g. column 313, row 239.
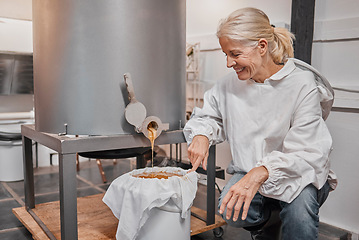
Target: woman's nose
column 230, row 62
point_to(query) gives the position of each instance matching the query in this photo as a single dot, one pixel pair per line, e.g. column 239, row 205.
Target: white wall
column 16, row 9
column 16, row 26
column 203, row 15
column 336, row 22
column 333, row 9
column 335, row 54
column 342, row 207
column 15, row 35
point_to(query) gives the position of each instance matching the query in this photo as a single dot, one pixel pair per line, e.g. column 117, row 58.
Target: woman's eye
column 235, row 54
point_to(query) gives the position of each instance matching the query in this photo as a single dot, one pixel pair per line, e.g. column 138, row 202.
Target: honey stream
column 152, row 132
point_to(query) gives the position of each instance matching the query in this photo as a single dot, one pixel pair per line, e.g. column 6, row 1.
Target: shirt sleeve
column 206, row 121
column 304, row 158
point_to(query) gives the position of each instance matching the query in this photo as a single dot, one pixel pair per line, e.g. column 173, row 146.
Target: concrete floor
column 89, row 182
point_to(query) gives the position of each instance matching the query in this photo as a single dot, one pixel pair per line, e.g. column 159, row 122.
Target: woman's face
column 245, row 60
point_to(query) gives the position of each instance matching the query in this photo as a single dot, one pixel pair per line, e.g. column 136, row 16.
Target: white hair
column 249, row 25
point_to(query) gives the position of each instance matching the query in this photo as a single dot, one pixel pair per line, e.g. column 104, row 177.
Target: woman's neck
column 269, row 68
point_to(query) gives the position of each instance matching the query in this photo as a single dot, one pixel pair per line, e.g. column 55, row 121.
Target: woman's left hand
column 243, row 192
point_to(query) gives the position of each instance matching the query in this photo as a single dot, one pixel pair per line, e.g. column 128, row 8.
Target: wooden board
column 199, row 226
column 30, row 223
column 95, row 219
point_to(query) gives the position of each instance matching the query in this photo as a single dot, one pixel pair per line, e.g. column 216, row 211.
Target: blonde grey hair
column 248, row 25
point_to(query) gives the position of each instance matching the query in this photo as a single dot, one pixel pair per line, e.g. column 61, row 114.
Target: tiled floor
column 89, row 182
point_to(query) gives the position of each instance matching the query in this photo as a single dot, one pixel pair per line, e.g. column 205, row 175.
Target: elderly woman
column 269, row 111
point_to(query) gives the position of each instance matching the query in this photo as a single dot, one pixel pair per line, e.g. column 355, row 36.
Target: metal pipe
column 17, row 115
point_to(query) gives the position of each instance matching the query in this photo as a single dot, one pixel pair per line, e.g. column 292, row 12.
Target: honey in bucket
column 152, row 134
column 159, row 175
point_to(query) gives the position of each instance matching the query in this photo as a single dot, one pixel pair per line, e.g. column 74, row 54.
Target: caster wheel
column 218, row 232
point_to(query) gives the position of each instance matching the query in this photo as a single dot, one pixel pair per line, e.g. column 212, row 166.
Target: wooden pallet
column 199, row 226
column 95, row 219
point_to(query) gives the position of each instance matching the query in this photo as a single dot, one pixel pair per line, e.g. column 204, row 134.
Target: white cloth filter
column 131, row 198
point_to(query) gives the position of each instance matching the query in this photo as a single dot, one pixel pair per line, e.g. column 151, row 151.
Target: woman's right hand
column 198, row 152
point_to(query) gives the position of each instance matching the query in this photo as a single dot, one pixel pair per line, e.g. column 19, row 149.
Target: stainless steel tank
column 82, row 48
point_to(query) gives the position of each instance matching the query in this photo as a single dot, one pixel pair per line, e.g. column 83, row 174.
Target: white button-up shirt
column 277, row 124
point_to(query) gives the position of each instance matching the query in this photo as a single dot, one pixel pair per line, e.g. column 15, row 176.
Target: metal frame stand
column 67, row 147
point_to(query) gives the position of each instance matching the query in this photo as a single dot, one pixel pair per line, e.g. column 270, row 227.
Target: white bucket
column 11, row 161
column 152, row 208
column 166, row 223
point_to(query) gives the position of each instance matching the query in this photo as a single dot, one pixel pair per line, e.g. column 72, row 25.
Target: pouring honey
column 152, row 134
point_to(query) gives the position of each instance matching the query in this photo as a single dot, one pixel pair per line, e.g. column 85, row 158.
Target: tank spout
column 154, row 123
column 135, row 113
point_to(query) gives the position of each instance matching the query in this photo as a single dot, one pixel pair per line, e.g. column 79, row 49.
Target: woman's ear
column 263, row 46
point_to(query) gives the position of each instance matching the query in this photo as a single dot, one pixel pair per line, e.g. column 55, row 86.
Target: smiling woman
column 269, row 111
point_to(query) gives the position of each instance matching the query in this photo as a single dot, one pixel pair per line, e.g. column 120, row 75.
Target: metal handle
column 129, row 86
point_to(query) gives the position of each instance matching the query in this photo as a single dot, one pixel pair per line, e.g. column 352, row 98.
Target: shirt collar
column 288, row 68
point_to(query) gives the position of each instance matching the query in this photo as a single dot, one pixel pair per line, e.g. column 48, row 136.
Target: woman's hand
column 198, row 152
column 243, row 192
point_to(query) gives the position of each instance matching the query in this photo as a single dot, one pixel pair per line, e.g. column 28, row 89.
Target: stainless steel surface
column 70, row 144
column 68, row 196
column 16, row 73
column 82, row 48
column 28, row 173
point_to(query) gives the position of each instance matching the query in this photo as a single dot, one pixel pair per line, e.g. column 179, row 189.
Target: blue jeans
column 299, row 218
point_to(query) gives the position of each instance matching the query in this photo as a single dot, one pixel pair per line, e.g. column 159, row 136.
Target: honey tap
column 135, row 113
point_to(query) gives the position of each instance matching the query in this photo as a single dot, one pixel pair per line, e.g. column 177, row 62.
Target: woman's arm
column 205, row 128
column 304, row 158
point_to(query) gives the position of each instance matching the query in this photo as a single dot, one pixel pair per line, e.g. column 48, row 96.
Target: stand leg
column 211, row 181
column 140, row 161
column 68, row 196
column 100, row 168
column 28, row 173
column 77, row 162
